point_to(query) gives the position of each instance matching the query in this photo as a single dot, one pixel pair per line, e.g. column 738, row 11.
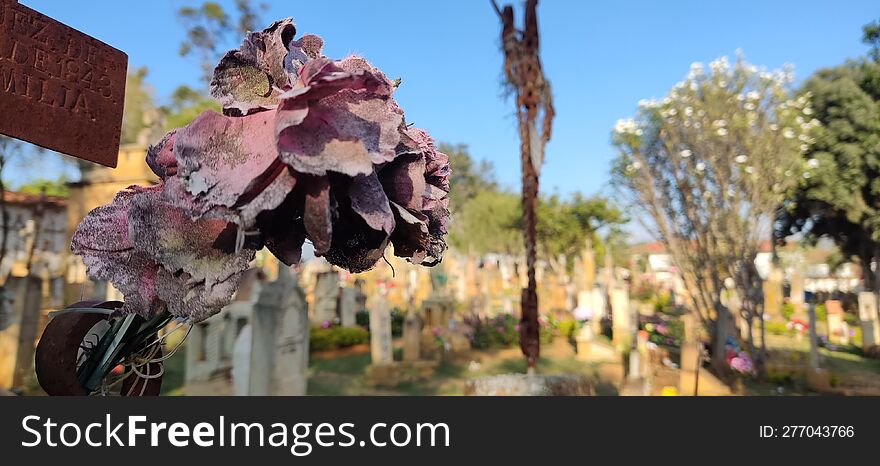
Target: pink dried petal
column 337, row 121
column 318, row 216
column 251, row 78
column 180, row 244
column 229, row 168
column 404, row 180
column 411, row 238
column 368, row 200
column 160, row 157
column 308, row 47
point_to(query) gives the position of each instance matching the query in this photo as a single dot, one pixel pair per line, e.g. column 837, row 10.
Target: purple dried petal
column 308, row 47
column 404, row 180
column 160, row 157
column 411, row 238
column 251, row 78
column 178, row 243
column 317, row 217
column 157, row 257
column 229, row 168
column 369, row 201
column 337, row 121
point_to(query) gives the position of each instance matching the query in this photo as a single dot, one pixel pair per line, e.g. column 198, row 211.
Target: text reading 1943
column 59, row 88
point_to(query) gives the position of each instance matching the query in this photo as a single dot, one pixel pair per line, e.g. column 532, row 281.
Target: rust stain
column 59, row 88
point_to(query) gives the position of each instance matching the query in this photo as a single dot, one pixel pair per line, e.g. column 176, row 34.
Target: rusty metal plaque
column 59, row 88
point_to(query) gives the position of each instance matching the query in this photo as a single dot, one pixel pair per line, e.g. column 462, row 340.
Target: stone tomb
column 868, row 319
column 838, row 332
column 23, row 296
column 279, row 359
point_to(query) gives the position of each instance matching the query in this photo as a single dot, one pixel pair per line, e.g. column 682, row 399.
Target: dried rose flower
column 307, row 148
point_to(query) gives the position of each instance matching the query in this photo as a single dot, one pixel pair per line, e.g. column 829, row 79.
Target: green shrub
column 787, row 311
column 776, row 328
column 567, row 328
column 325, row 339
column 821, row 313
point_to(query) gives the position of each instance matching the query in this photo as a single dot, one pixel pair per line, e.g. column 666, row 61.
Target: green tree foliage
column 468, row 177
column 57, row 187
column 871, row 37
column 565, row 223
column 842, row 200
column 709, row 166
column 211, row 30
column 487, row 218
column 140, row 110
column 186, row 104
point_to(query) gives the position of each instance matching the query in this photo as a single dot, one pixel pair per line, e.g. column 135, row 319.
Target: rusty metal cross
column 59, row 88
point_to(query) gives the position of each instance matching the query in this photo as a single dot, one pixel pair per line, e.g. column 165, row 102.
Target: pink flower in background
column 307, row 148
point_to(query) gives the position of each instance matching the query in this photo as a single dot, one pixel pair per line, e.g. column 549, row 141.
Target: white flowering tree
column 709, row 165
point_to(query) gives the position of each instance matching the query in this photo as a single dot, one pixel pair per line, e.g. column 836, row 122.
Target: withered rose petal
column 368, row 200
column 404, row 180
column 178, row 243
column 307, row 47
column 355, row 246
column 317, row 218
column 437, row 169
column 160, row 157
column 251, row 78
column 411, row 236
column 337, row 121
column 229, row 168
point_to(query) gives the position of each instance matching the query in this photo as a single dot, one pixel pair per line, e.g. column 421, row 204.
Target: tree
column 565, row 224
column 55, row 188
column 186, row 104
column 708, row 166
column 871, row 37
column 468, row 177
column 140, row 113
column 842, row 200
column 210, row 31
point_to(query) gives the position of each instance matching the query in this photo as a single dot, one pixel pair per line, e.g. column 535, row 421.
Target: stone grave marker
column 412, row 337
column 621, row 317
column 348, row 307
column 773, row 293
column 381, row 349
column 836, row 331
column 868, row 319
column 280, row 339
column 326, row 297
column 18, row 339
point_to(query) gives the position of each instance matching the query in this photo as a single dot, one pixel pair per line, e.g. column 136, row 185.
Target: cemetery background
column 612, row 309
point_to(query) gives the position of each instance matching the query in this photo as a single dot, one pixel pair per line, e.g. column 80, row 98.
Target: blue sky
column 601, row 58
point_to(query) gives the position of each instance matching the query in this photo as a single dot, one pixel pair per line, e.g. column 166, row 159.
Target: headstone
column 241, row 362
column 869, row 320
column 280, row 339
column 17, row 341
column 412, row 336
column 834, row 317
column 773, row 293
column 797, row 293
column 348, row 307
column 326, row 297
column 597, row 305
column 691, row 355
column 621, row 317
column 381, row 349
column 42, row 103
